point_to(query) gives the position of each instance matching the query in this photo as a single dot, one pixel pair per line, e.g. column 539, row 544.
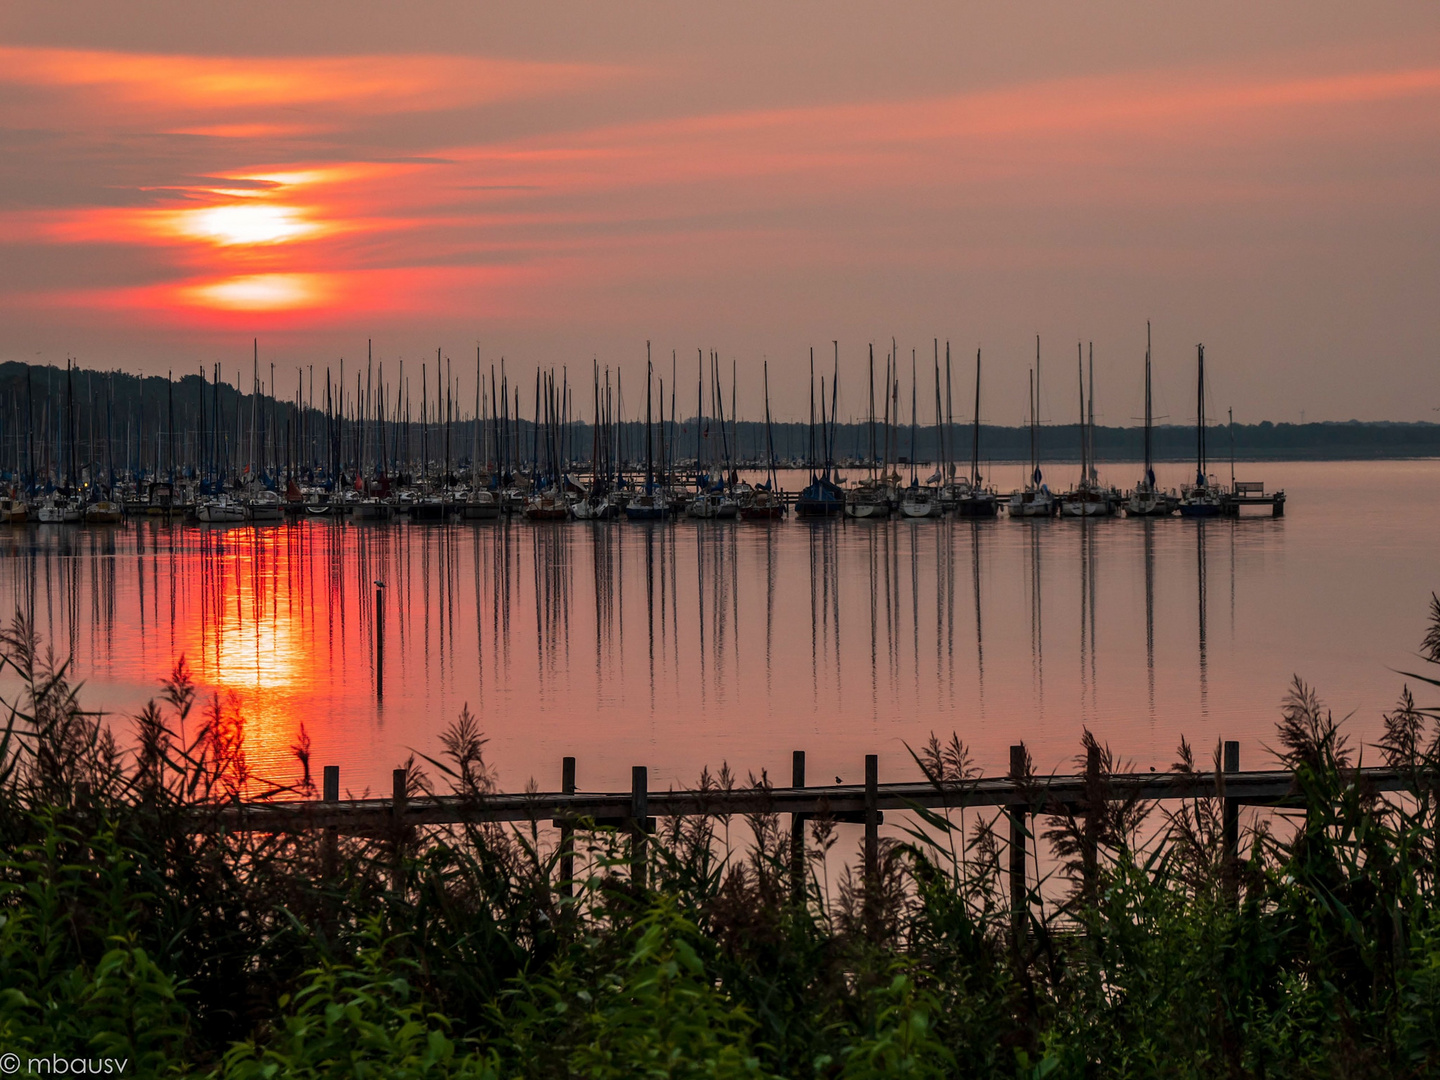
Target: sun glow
column 261, row 292
column 245, row 223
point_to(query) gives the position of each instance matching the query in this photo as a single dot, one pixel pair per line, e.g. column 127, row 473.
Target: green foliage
column 140, row 919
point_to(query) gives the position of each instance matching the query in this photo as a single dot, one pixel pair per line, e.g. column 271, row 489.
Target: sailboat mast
column 1080, row 364
column 975, row 437
column 1090, row 415
column 1200, row 421
column 1149, row 465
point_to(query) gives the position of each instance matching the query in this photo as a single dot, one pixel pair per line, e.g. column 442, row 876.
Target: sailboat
column 1087, row 498
column 1203, row 498
column 1034, row 499
column 649, row 504
column 919, row 500
column 869, row 499
column 764, row 501
column 821, row 497
column 975, row 500
column 1147, row 500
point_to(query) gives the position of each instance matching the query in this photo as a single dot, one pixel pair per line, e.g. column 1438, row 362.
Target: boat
column 160, row 499
column 647, row 506
column 822, row 497
column 373, row 508
column 430, row 507
column 1204, row 498
column 763, row 505
column 920, row 501
column 974, row 500
column 104, row 512
column 1147, row 500
column 480, row 505
column 220, row 510
column 58, row 509
column 13, row 510
column 548, row 505
column 1088, row 498
column 650, row 503
column 1035, row 499
column 868, row 500
column 264, row 506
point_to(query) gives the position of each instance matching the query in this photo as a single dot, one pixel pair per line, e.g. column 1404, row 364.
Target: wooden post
column 639, row 813
column 797, row 832
column 399, row 795
column 330, row 792
column 379, row 639
column 1231, row 764
column 567, row 831
column 1017, row 849
column 1090, row 838
column 872, row 841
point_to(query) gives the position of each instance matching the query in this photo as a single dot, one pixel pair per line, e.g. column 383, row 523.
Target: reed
column 458, row 951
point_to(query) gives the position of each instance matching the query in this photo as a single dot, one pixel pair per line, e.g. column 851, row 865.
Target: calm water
column 693, row 643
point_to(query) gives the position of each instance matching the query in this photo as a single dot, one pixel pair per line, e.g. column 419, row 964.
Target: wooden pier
column 1020, row 796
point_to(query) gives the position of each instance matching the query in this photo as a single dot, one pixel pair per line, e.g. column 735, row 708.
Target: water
column 688, row 644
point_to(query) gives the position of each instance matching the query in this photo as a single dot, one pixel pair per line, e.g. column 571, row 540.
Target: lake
column 686, row 644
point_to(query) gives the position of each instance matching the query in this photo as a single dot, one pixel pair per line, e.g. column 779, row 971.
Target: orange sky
column 566, row 182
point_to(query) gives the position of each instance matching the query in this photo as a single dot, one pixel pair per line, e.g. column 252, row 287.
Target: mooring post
column 1231, row 764
column 1094, row 808
column 567, row 831
column 379, row 639
column 872, row 839
column 1017, row 848
column 797, row 832
column 399, row 795
column 639, row 813
column 330, row 793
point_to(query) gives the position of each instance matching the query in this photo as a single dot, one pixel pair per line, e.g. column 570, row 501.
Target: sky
column 559, row 183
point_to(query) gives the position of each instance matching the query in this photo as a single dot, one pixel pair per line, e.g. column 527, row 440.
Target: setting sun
column 245, row 223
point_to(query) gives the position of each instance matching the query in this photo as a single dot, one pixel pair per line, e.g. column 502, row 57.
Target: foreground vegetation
column 126, row 931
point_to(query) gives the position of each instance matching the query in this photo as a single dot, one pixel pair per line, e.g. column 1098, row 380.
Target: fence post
column 1231, row 764
column 399, row 795
column 639, row 813
column 1017, row 849
column 330, row 793
column 872, row 841
column 1090, row 838
column 567, row 831
column 797, row 832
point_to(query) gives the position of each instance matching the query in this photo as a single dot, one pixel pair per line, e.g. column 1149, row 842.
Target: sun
column 245, row 223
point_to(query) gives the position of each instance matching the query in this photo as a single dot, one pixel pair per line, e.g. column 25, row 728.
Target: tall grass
column 136, row 922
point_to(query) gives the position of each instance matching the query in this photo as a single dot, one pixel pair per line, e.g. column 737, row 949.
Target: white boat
column 266, row 506
column 920, row 502
column 61, row 510
column 869, row 500
column 1035, row 499
column 220, row 510
column 1032, row 502
column 712, row 505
